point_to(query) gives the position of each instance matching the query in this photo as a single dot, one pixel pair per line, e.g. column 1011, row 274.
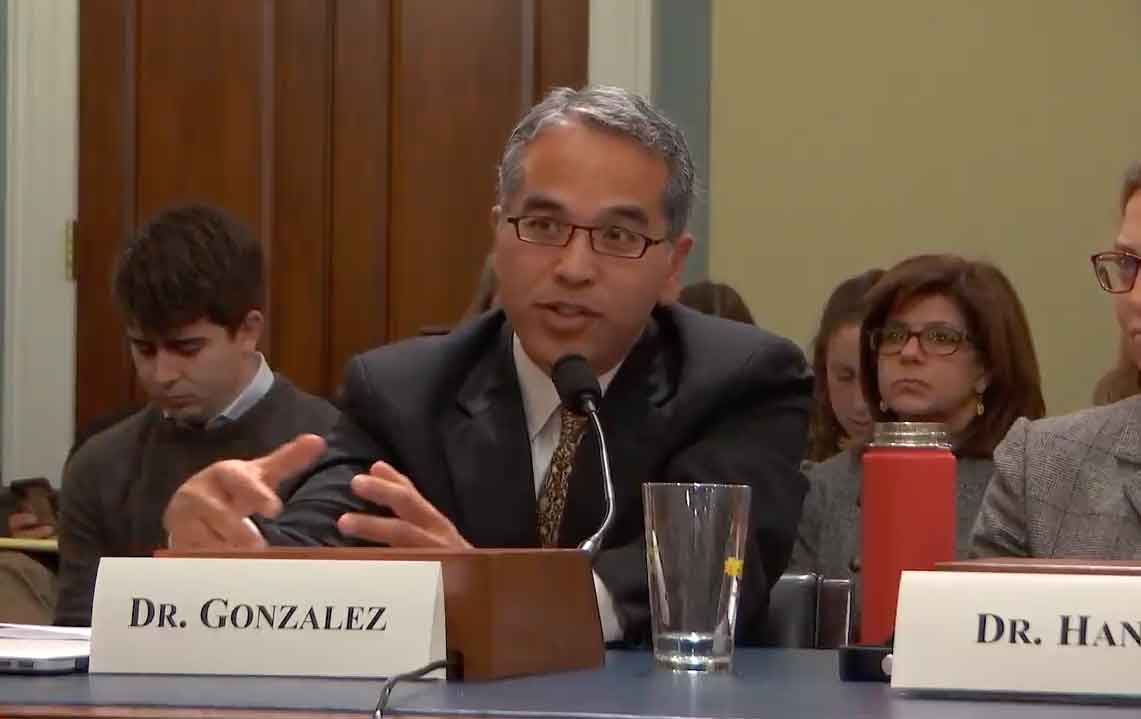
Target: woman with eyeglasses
column 944, row 340
column 1070, row 486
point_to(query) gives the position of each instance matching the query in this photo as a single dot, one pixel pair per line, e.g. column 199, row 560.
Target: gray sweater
column 828, row 538
column 118, row 483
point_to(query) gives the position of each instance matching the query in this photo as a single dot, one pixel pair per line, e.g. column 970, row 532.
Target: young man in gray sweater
column 191, row 291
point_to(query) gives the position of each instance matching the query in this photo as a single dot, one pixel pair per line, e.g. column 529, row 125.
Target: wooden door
column 357, row 138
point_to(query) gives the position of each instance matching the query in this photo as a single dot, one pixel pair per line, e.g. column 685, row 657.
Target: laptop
column 29, row 649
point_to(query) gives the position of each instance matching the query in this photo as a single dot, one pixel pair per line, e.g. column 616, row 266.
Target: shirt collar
column 258, row 387
column 540, row 398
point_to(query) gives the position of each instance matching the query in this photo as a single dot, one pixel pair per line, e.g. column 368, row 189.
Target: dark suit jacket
column 698, row 399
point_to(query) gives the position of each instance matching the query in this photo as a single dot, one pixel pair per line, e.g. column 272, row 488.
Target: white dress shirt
column 257, row 388
column 540, row 406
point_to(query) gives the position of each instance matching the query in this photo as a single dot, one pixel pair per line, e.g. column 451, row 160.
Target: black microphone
column 579, row 391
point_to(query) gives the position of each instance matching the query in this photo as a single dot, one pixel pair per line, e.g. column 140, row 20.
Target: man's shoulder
column 108, row 447
column 1096, row 428
column 1055, row 452
column 423, row 358
column 730, row 335
column 714, row 347
column 317, row 409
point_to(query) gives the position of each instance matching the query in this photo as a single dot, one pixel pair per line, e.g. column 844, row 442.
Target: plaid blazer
column 1066, row 487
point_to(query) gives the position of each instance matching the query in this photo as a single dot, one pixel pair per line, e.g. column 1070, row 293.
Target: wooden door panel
column 357, row 138
column 562, row 33
column 358, row 271
column 106, row 210
column 299, row 244
column 457, row 93
column 200, row 98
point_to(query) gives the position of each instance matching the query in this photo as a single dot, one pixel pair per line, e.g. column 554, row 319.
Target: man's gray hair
column 615, row 110
column 1130, row 184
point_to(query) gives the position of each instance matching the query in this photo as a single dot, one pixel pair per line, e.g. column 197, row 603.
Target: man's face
column 197, row 370
column 923, row 386
column 1127, row 305
column 572, row 299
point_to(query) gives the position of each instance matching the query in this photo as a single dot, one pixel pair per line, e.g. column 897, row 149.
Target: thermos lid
column 911, row 434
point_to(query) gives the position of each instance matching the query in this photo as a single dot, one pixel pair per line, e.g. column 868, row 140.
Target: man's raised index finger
column 289, row 459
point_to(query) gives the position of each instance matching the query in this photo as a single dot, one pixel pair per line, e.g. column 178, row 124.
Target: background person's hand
column 25, row 525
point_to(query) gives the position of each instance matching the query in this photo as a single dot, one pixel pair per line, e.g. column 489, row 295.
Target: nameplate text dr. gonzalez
column 298, row 617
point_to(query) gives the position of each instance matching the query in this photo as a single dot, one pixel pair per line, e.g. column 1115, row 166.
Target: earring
column 883, row 406
column 979, row 406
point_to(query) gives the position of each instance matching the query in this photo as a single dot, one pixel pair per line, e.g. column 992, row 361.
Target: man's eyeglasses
column 934, row 339
column 1116, row 271
column 612, row 240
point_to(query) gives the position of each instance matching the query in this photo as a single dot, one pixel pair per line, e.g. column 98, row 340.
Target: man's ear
column 496, row 216
column 681, row 248
column 249, row 331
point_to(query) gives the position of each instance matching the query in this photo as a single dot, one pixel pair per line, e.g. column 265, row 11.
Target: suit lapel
column 489, row 456
column 633, row 417
column 1127, row 450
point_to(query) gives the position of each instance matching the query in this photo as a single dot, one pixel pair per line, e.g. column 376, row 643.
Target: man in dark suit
column 458, row 441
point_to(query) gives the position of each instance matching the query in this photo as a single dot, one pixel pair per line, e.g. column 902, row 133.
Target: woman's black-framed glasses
column 612, row 240
column 934, row 339
column 1116, row 271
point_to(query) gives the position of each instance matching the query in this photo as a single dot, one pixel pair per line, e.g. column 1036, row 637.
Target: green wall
column 849, row 135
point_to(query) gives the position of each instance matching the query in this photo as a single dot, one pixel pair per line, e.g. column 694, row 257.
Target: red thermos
column 907, row 508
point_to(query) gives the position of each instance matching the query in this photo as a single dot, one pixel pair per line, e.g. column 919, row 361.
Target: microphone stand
column 592, row 543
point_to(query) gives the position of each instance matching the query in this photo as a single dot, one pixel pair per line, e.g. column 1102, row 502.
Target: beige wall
column 39, row 298
column 849, row 135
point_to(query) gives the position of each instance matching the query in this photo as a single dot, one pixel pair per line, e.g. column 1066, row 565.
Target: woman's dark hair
column 997, row 325
column 1124, row 379
column 717, row 299
column 186, row 264
column 845, row 306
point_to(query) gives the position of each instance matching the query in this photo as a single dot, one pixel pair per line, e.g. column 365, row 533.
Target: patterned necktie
column 553, row 497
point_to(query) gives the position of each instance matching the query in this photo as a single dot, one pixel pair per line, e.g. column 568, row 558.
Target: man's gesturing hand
column 416, row 524
column 211, row 509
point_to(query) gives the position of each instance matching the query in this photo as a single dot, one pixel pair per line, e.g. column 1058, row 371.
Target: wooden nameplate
column 508, row 612
column 1028, row 565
